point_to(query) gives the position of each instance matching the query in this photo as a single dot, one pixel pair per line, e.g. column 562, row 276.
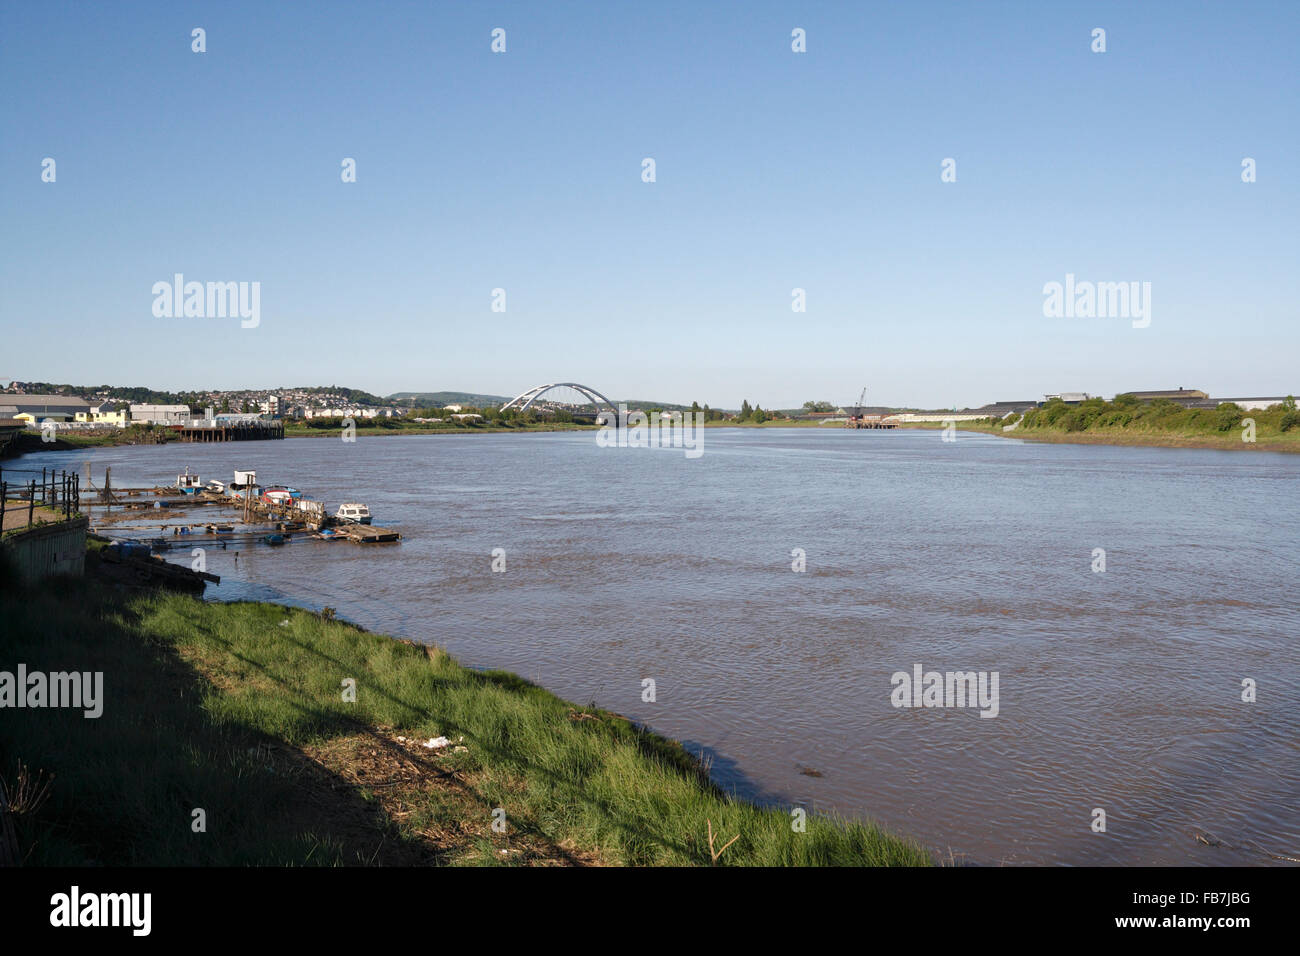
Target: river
column 1118, row 690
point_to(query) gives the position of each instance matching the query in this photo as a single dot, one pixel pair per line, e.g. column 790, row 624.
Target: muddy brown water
column 1118, row 690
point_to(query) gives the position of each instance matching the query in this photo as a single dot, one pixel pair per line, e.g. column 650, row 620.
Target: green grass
column 1126, row 421
column 217, row 705
column 28, row 442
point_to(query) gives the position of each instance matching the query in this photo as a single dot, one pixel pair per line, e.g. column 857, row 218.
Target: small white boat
column 217, row 487
column 353, row 512
column 188, row 484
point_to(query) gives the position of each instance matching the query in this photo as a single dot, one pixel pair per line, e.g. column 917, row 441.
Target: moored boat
column 353, row 512
column 280, row 495
column 189, row 484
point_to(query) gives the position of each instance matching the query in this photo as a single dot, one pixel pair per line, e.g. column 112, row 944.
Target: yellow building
column 104, row 414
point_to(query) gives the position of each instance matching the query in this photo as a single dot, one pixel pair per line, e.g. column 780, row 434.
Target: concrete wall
column 48, row 549
column 906, row 417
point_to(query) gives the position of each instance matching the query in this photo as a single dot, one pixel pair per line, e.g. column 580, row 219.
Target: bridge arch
column 524, row 400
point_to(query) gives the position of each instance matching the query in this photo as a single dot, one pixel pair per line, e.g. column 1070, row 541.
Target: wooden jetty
column 295, row 515
column 870, row 421
column 235, row 431
column 367, row 533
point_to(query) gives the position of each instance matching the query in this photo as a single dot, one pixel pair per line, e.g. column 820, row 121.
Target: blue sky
column 775, row 170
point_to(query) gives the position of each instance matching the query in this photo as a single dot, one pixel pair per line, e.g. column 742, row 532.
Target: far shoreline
column 1172, row 440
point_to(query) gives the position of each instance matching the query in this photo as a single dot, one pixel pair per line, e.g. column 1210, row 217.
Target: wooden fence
column 58, row 491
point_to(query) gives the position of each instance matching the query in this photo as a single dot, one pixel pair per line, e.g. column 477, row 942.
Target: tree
column 745, row 411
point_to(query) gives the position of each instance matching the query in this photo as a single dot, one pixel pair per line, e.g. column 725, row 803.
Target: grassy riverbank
column 1126, row 421
column 28, row 442
column 238, row 710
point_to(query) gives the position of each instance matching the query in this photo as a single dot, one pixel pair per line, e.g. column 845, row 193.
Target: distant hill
column 478, row 400
column 137, row 394
column 352, row 395
column 425, row 399
column 140, row 394
column 637, row 403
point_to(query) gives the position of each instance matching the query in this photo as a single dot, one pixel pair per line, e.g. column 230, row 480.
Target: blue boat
column 274, row 539
column 189, row 484
column 130, row 549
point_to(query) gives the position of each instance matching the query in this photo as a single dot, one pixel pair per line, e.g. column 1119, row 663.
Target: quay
column 871, row 421
column 257, row 516
column 214, row 431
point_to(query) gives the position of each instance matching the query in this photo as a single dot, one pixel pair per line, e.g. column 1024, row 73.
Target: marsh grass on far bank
column 1161, row 423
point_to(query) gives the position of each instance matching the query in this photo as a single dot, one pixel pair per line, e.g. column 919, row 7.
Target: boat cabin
column 353, row 511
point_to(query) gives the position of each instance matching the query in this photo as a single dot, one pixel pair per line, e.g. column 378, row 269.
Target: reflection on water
column 1118, row 690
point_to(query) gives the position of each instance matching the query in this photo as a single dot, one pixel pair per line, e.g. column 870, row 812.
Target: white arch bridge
column 604, row 407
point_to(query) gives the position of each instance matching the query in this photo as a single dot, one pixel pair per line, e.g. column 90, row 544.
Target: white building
column 1253, row 404
column 906, row 417
column 160, row 414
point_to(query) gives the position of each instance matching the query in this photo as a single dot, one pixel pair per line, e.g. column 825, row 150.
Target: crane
column 857, row 409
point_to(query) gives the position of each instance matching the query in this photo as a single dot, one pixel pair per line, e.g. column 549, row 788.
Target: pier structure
column 298, row 515
column 206, row 431
column 871, row 421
